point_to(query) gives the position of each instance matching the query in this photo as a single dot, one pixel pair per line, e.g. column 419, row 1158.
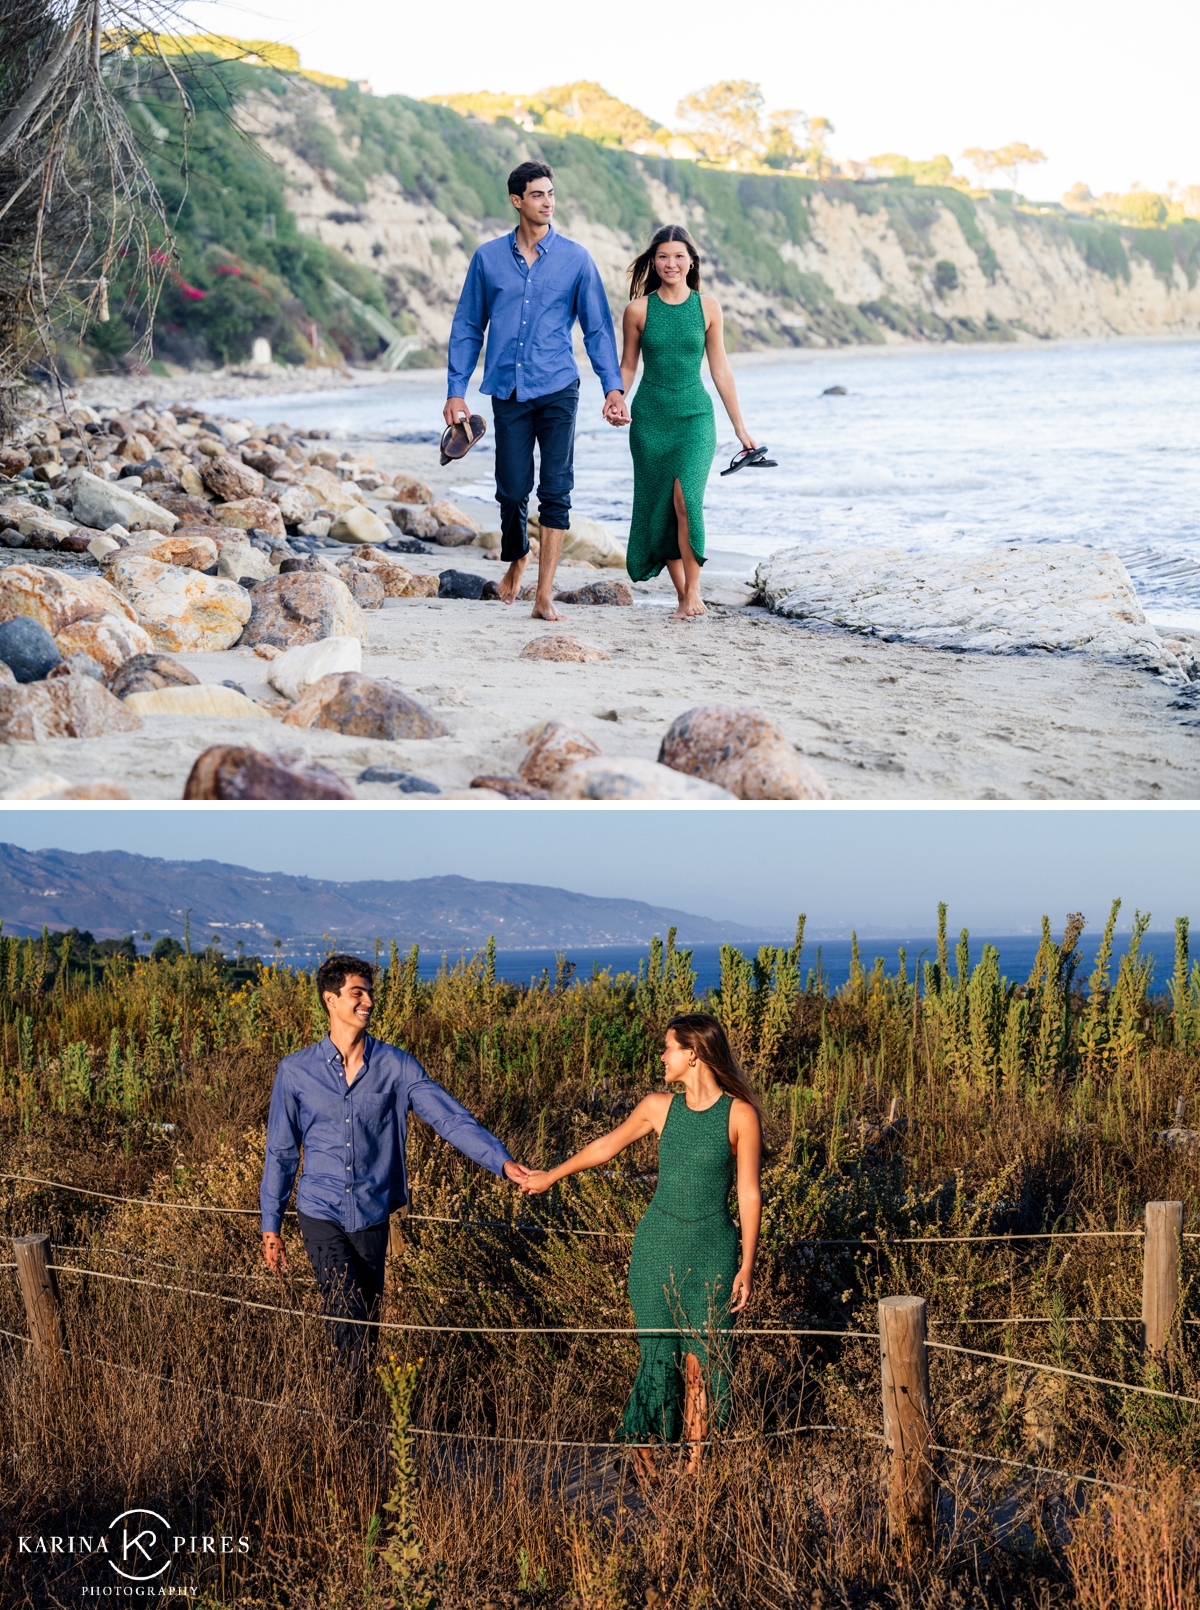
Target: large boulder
column 294, row 672
column 464, row 584
column 111, row 640
column 363, row 707
column 228, row 480
column 145, row 673
column 555, row 747
column 191, row 510
column 103, row 503
column 358, row 524
column 63, row 707
column 296, row 504
column 741, row 750
column 56, row 598
column 186, row 547
column 414, row 520
column 587, row 542
column 331, row 493
column 202, row 699
column 252, row 514
column 243, row 559
column 27, row 649
column 560, row 648
column 1018, row 599
column 303, row 607
column 182, row 610
column 229, row 771
column 608, row 778
column 449, row 514
column 366, row 590
column 409, row 489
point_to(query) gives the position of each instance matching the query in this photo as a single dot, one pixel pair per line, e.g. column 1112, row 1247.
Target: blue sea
column 832, row 956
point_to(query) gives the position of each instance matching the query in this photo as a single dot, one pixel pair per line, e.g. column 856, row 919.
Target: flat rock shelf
column 1005, row 601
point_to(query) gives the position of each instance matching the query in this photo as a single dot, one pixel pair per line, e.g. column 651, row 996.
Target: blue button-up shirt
column 353, row 1134
column 529, row 314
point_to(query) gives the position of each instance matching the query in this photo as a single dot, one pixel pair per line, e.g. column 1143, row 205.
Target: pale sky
column 1106, row 91
column 873, row 868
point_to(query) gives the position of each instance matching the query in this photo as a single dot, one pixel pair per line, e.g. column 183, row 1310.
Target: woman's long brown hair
column 702, row 1033
column 643, row 278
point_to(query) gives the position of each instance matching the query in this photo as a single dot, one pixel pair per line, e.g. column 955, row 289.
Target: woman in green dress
column 686, row 1280
column 670, row 326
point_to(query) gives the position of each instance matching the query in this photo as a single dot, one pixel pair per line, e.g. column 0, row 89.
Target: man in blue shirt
column 346, row 1101
column 530, row 287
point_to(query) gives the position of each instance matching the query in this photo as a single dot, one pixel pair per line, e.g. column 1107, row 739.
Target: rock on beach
column 297, row 670
column 619, row 778
column 63, row 707
column 555, row 747
column 302, row 607
column 233, row 772
column 99, row 503
column 1004, row 601
column 145, row 673
column 563, row 649
column 181, row 610
column 740, row 750
column 363, row 707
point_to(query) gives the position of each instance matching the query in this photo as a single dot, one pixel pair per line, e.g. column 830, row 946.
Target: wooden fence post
column 1160, row 1275
column 906, row 1418
column 39, row 1288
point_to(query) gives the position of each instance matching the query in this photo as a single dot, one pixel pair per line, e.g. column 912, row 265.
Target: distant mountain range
column 113, row 893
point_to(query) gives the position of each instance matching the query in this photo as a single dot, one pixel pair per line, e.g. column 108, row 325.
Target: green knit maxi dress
column 673, row 436
column 685, row 1257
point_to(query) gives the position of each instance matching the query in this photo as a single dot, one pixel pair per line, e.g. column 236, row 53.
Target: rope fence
column 908, row 1417
column 570, row 1229
column 860, row 1432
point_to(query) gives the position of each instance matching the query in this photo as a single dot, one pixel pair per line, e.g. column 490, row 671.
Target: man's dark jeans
column 550, row 422
column 349, row 1270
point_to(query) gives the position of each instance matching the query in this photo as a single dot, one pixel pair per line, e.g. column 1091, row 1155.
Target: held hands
column 517, row 1173
column 615, row 410
column 537, row 1181
column 743, row 1288
column 273, row 1253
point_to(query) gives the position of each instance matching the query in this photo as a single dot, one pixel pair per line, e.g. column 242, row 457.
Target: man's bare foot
column 544, row 610
column 509, row 584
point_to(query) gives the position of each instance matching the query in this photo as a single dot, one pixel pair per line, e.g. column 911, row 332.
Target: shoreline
column 210, row 387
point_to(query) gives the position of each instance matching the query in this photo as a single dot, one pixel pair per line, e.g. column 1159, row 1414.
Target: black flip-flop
column 458, row 439
column 751, row 458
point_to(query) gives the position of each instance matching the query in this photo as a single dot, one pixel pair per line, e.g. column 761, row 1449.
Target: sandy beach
column 878, row 720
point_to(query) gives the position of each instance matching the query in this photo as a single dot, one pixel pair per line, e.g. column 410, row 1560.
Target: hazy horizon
column 881, row 872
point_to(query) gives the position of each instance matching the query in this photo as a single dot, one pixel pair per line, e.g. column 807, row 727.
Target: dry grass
column 1023, row 1110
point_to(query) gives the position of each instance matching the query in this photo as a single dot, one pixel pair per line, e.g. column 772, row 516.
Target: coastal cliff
column 387, row 197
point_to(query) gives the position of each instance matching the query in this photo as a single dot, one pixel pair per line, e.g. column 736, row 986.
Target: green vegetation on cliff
column 244, row 269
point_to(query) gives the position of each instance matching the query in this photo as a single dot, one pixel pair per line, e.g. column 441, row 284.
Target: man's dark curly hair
column 335, row 970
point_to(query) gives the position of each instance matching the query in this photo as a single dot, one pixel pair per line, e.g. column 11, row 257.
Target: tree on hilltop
column 725, row 120
column 1005, row 159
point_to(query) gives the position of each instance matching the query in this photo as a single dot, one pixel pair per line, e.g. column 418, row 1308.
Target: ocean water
column 1017, row 953
column 930, row 450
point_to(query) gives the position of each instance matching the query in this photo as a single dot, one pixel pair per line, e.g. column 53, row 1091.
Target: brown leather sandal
column 459, row 439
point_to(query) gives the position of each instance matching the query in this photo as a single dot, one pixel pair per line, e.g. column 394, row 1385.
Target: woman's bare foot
column 687, row 607
column 509, row 584
column 646, row 1466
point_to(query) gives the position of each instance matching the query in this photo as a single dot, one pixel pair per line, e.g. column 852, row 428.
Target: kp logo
column 140, row 1547
column 143, row 1543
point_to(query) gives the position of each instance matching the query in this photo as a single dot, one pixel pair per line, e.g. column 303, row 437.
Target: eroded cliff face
column 866, row 266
